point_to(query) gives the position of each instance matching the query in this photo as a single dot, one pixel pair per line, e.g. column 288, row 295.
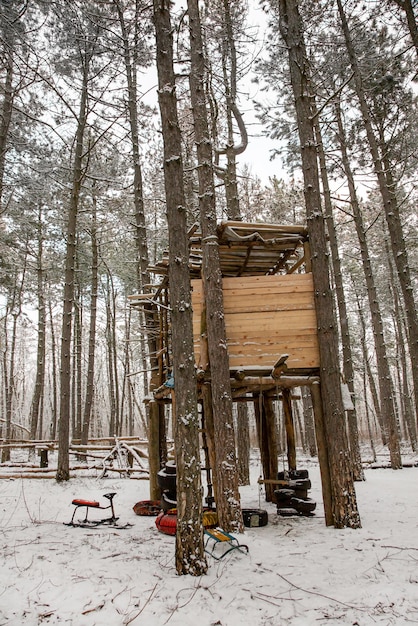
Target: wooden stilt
column 271, row 434
column 267, row 438
column 162, row 435
column 154, row 450
column 290, row 428
column 209, row 430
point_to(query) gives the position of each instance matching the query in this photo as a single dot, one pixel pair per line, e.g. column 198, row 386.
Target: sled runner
column 217, row 537
column 93, row 504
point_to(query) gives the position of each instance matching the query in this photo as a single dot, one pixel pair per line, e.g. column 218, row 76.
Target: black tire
column 293, row 474
column 300, row 483
column 301, row 473
column 166, row 482
column 287, row 512
column 283, row 497
column 170, row 467
column 301, row 493
column 305, row 507
column 168, row 501
column 253, row 518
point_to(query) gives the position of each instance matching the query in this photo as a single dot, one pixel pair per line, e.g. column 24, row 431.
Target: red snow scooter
column 93, row 504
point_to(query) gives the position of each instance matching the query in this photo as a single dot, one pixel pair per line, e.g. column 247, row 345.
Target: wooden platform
column 265, row 316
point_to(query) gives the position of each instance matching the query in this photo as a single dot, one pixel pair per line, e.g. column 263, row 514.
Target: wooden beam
column 267, row 381
column 254, row 226
column 290, row 429
column 154, row 450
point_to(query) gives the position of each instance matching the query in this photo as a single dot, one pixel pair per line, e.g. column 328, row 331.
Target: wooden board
column 265, row 316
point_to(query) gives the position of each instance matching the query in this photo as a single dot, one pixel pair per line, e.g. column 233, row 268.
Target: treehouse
column 271, row 328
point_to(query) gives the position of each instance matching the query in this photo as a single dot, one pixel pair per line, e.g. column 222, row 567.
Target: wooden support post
column 321, row 443
column 209, row 431
column 162, row 435
column 290, row 428
column 154, row 450
column 271, row 428
column 266, row 431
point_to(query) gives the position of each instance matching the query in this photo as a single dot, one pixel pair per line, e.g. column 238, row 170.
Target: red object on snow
column 92, row 503
column 147, row 507
column 166, row 522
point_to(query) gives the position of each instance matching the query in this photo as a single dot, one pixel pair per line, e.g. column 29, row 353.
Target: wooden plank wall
column 265, row 316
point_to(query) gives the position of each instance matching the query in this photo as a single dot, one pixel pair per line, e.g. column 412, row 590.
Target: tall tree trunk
column 369, row 374
column 229, row 178
column 40, row 352
column 387, row 406
column 63, row 467
column 110, row 350
column 6, row 117
column 367, row 414
column 408, row 7
column 402, row 366
column 348, row 368
column 343, row 496
column 243, row 443
column 387, row 187
column 14, row 309
column 77, row 391
column 88, row 399
column 190, row 556
column 229, row 58
column 228, row 507
column 308, row 418
column 8, row 367
column 125, row 401
column 54, row 378
column 155, row 411
column 114, row 363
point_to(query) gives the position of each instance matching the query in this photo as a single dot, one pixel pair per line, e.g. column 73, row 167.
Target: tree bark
column 402, row 366
column 14, row 309
column 308, row 419
column 369, row 374
column 228, row 504
column 6, row 116
column 41, row 348
column 54, row 378
column 348, row 368
column 88, row 398
column 77, row 361
column 267, row 440
column 190, row 556
column 408, row 7
column 387, row 187
column 344, row 503
column 63, row 466
column 155, row 411
column 387, row 407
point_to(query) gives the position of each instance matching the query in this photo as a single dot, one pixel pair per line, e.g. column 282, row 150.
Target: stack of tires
column 166, row 521
column 166, row 479
column 292, row 496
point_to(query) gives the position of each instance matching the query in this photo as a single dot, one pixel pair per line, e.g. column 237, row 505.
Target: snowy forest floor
column 298, row 572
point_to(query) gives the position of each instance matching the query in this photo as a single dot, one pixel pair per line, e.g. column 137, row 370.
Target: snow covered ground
column 298, row 572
